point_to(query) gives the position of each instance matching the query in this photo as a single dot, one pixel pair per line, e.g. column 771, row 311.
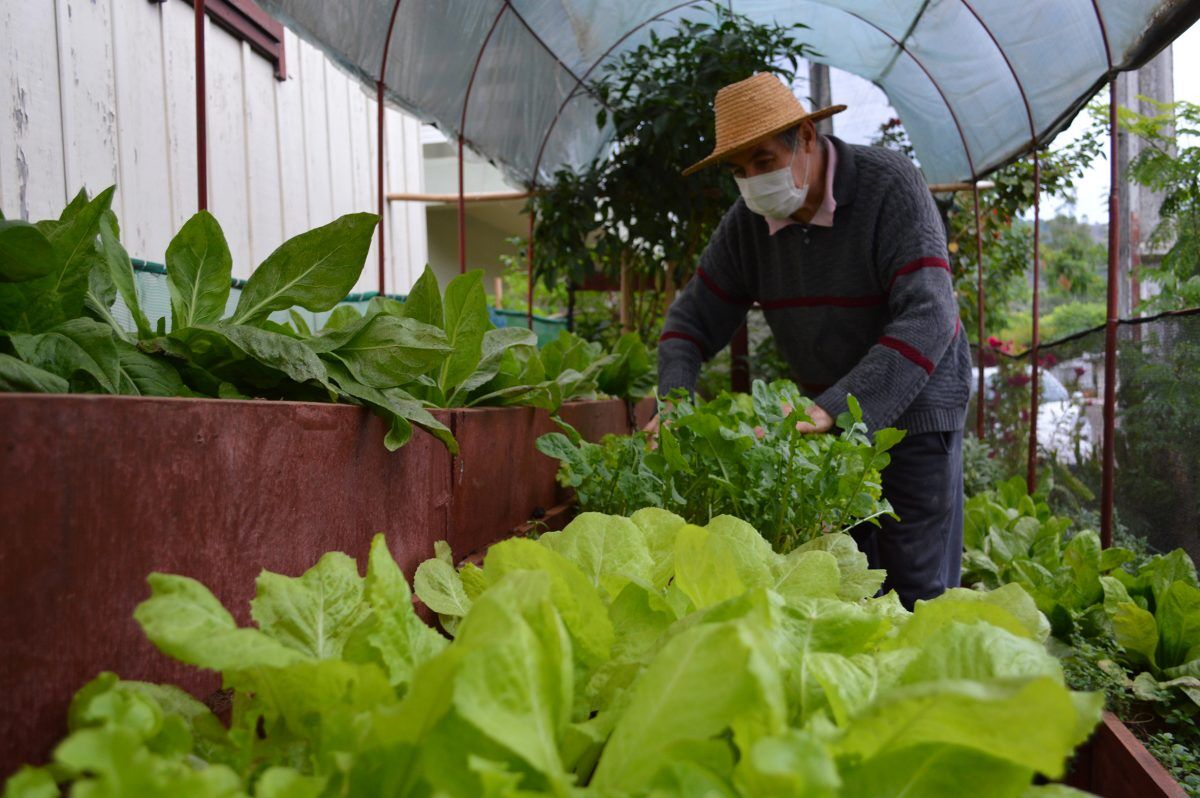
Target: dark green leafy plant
column 60, row 279
column 1170, row 163
column 658, row 100
column 739, row 455
column 620, row 657
column 1147, row 613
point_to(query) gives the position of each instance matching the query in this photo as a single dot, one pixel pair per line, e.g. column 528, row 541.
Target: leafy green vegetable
column 579, row 666
column 1148, row 613
column 314, row 270
column 739, row 455
column 199, row 267
column 59, row 281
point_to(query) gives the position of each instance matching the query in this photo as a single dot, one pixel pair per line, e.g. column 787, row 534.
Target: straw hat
column 754, row 110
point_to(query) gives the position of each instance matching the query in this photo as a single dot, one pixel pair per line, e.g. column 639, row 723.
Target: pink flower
column 759, row 433
column 1019, row 380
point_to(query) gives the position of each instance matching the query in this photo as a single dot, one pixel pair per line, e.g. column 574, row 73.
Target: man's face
column 769, row 156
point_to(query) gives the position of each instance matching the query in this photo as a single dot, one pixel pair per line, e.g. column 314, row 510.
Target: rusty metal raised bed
column 99, row 491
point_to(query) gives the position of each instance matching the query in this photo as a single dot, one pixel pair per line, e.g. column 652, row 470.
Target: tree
column 632, row 207
column 1166, row 165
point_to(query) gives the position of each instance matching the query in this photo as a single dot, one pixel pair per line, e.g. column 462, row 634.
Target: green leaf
column 577, row 601
column 495, row 344
column 120, row 269
column 315, row 613
column 715, row 661
column 282, row 782
column 403, row 641
column 439, row 586
column 516, row 681
column 398, row 407
column 1178, row 620
column 37, row 305
column 424, row 300
column 247, row 356
column 808, row 573
column 1136, row 631
column 1034, row 724
column 660, row 529
column 30, row 782
column 199, row 268
column 389, row 352
column 314, row 270
column 185, row 621
column 139, row 374
column 342, row 317
column 466, row 322
column 77, row 347
column 20, row 377
column 793, row 764
column 611, row 551
column 25, row 254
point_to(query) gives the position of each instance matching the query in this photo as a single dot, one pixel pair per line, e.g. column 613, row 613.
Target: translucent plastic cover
column 974, row 81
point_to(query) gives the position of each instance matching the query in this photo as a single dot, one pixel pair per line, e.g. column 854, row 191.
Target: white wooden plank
column 227, row 198
column 141, row 112
column 397, row 212
column 414, row 181
column 179, row 76
column 290, row 154
column 316, row 135
column 340, row 141
column 361, row 149
column 31, row 144
column 89, row 94
column 262, row 163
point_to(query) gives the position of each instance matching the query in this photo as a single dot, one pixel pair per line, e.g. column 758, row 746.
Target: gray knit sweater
column 865, row 307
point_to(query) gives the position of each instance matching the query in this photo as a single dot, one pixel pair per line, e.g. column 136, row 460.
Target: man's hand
column 821, row 421
column 651, row 429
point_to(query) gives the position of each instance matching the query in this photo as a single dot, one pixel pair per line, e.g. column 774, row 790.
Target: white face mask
column 774, row 194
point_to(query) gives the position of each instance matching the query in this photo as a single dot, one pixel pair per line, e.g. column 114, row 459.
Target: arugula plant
column 1147, row 613
column 638, row 656
column 740, row 455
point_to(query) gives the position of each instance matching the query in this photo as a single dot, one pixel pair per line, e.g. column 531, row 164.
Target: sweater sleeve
column 911, row 263
column 706, row 313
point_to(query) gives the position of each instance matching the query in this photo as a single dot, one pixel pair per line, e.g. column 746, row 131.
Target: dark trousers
column 922, row 552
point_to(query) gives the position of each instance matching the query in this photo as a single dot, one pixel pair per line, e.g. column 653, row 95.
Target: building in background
column 490, row 225
column 103, row 92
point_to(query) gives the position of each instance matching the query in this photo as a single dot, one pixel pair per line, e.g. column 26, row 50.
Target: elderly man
column 843, row 249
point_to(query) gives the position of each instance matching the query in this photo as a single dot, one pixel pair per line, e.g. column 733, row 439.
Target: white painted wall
column 102, row 92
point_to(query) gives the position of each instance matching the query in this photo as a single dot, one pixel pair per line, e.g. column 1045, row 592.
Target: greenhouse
column 654, row 398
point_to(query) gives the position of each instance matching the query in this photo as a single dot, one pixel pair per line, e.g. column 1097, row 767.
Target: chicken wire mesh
column 1157, row 438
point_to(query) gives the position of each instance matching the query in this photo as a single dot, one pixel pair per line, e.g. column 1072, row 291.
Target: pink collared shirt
column 824, row 215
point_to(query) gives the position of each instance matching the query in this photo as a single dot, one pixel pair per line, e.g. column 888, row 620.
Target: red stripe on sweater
column 682, row 336
column 907, row 351
column 720, row 292
column 917, row 265
column 822, row 301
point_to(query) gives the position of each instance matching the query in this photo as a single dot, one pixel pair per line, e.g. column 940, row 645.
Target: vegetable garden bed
column 1115, row 764
column 100, row 491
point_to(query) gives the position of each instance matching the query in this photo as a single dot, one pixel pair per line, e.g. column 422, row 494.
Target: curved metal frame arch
column 380, row 89
column 1107, row 488
column 1031, row 466
column 899, row 45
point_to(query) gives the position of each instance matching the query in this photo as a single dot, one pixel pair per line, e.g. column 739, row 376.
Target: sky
column 867, row 108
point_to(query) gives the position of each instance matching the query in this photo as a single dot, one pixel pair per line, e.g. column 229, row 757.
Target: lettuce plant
column 638, row 656
column 740, row 455
column 1148, row 612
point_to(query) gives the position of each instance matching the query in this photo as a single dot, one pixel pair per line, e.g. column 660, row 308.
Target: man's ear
column 808, row 133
